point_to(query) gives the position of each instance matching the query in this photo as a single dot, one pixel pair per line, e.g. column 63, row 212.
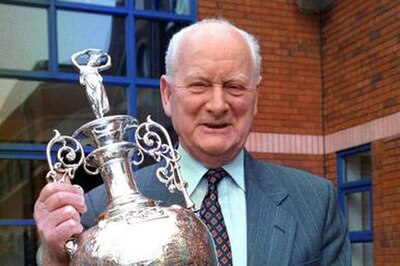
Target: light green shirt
column 231, row 197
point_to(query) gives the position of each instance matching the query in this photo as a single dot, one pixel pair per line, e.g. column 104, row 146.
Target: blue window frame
column 144, row 27
column 355, row 199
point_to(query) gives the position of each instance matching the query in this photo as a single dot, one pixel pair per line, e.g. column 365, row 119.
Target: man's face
column 212, row 96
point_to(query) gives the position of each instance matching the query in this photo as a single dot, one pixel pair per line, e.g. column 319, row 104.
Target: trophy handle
column 63, row 170
column 149, row 141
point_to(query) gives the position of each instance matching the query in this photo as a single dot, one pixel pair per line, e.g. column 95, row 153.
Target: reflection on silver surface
column 134, row 230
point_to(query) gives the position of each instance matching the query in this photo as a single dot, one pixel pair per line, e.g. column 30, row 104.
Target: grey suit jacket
column 293, row 217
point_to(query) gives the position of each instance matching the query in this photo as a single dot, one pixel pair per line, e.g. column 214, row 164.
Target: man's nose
column 216, row 102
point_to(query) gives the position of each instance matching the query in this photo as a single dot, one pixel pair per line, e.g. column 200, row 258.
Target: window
column 40, row 90
column 355, row 197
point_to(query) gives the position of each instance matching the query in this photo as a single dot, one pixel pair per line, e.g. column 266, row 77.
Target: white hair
column 177, row 38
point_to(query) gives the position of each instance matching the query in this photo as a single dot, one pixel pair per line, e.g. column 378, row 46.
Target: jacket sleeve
column 336, row 248
column 96, row 202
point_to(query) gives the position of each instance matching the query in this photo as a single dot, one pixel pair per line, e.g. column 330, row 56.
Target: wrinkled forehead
column 214, row 42
column 212, row 35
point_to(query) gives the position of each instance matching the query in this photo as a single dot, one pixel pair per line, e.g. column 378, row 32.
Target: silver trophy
column 133, row 230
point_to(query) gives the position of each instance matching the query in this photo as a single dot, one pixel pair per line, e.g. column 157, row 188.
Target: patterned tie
column 211, row 215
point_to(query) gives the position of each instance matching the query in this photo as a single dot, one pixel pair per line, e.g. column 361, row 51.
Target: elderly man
column 272, row 215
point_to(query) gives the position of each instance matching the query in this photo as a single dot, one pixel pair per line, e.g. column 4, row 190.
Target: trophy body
column 133, row 230
column 149, row 235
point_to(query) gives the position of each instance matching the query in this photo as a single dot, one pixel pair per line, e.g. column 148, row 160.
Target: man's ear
column 255, row 111
column 257, row 93
column 165, row 90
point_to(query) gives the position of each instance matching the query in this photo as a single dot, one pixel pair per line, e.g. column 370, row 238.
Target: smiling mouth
column 216, row 126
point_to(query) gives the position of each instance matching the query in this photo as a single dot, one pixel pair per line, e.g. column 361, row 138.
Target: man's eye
column 234, row 86
column 235, row 89
column 198, row 86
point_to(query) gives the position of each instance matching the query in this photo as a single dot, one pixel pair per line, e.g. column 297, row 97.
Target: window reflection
column 31, row 110
column 181, row 7
column 98, row 2
column 362, row 254
column 18, row 245
column 152, row 38
column 23, row 38
column 355, row 193
column 358, row 211
column 78, row 31
column 20, row 183
column 358, row 166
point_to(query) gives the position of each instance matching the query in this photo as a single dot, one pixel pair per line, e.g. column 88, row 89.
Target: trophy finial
column 92, row 80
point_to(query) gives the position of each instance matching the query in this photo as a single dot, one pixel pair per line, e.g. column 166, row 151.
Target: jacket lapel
column 270, row 228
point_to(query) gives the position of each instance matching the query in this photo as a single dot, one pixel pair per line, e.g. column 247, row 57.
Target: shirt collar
column 192, row 171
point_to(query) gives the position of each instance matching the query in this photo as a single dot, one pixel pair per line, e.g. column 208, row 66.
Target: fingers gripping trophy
column 133, row 230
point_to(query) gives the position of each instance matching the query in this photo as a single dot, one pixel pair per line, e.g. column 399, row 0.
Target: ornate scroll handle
column 150, row 142
column 64, row 167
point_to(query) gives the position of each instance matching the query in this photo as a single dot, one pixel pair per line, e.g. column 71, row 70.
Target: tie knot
column 215, row 175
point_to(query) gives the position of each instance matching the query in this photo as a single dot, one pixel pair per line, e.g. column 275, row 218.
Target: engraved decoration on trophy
column 133, row 230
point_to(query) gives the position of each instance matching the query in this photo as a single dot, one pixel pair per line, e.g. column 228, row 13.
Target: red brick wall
column 309, row 163
column 330, row 168
column 361, row 59
column 386, row 198
column 361, row 55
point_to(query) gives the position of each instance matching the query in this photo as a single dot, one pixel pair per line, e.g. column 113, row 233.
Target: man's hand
column 57, row 216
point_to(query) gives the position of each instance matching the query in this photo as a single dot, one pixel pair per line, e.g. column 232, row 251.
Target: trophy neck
column 114, row 162
column 118, row 178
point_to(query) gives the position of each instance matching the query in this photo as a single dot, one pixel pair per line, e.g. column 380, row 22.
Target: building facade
column 329, row 100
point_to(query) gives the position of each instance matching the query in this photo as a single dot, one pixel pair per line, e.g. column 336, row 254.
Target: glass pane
column 358, row 166
column 181, row 7
column 98, row 2
column 20, row 184
column 358, row 211
column 362, row 254
column 152, row 38
column 23, row 38
column 30, row 110
column 79, row 31
column 18, row 245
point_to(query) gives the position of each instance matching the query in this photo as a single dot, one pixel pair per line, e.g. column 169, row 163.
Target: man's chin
column 217, row 149
column 213, row 155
